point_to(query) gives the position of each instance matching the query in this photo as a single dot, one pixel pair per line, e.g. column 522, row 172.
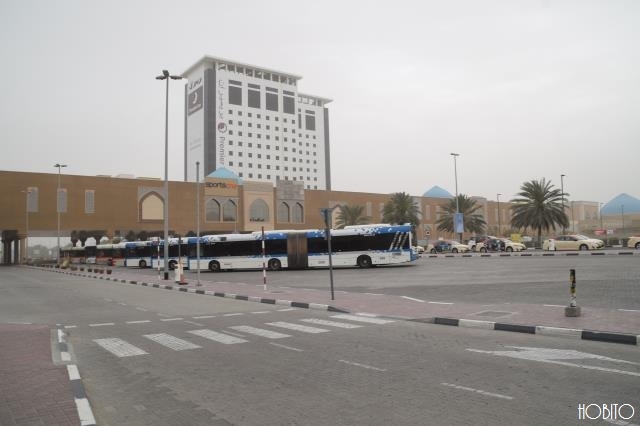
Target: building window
column 235, row 95
column 259, row 211
column 283, row 213
column 253, row 99
column 288, row 105
column 152, row 207
column 89, row 201
column 212, row 211
column 271, row 100
column 229, row 211
column 309, row 120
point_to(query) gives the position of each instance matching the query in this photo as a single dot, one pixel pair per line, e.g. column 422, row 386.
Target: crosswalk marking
column 171, row 342
column 217, row 337
column 362, row 319
column 259, row 332
column 297, row 327
column 330, row 323
column 119, row 347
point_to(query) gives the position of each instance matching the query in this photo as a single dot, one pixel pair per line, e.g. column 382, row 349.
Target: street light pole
column 166, row 76
column 59, row 166
column 562, row 189
column 198, row 221
column 498, row 196
column 455, row 170
column 26, row 221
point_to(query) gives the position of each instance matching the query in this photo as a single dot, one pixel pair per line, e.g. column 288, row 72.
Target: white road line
column 375, row 294
column 84, row 412
column 101, row 324
column 261, row 312
column 330, row 323
column 119, row 347
column 481, row 392
column 70, row 326
column 171, row 342
column 361, row 319
column 554, row 306
column 171, row 319
column 441, row 303
column 357, row 364
column 297, row 327
column 194, row 323
column 73, row 372
column 141, row 309
column 259, row 332
column 412, row 298
column 287, row 309
column 629, row 310
column 286, row 347
column 235, row 314
column 204, row 317
column 217, row 337
column 122, row 303
column 138, row 322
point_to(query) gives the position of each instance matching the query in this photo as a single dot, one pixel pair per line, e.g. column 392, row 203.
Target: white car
column 599, row 243
column 634, row 242
column 570, row 242
column 504, row 244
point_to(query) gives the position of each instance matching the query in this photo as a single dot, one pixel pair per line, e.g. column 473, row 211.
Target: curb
column 176, row 286
column 601, row 336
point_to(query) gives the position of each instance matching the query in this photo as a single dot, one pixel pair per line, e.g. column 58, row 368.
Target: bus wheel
column 274, row 265
column 214, row 266
column 142, row 264
column 364, row 262
column 172, row 264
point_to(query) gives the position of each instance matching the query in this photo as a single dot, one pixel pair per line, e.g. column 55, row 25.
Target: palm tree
column 351, row 215
column 539, row 206
column 473, row 222
column 400, row 209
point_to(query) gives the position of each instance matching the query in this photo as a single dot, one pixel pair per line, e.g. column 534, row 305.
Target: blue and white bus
column 180, row 250
column 140, row 254
column 362, row 245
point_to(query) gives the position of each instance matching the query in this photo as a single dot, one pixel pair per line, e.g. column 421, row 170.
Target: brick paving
column 33, row 391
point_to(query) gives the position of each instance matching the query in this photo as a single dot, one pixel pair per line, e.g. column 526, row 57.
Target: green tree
column 538, row 206
column 351, row 215
column 400, row 209
column 473, row 221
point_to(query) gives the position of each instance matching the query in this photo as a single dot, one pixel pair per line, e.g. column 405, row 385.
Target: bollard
column 573, row 310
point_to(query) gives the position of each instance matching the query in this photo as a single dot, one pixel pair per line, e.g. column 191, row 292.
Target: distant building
column 254, row 121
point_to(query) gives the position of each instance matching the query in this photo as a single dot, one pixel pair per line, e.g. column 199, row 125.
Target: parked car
column 634, row 242
column 447, row 246
column 499, row 244
column 418, row 249
column 570, row 242
column 477, row 239
column 598, row 242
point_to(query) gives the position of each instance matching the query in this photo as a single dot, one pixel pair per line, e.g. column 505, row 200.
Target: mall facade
column 113, row 206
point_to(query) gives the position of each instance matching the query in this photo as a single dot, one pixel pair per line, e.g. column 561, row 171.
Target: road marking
column 122, row 303
column 171, row 342
column 259, row 332
column 297, row 327
column 70, row 326
column 481, row 392
column 554, row 306
column 362, row 319
column 119, row 347
column 261, row 312
column 287, row 309
column 138, row 322
column 141, row 309
column 286, row 347
column 551, row 356
column 357, row 364
column 194, row 323
column 84, row 412
column 73, row 372
column 204, row 317
column 171, row 319
column 330, row 323
column 233, row 314
column 375, row 294
column 441, row 303
column 101, row 324
column 217, row 337
column 629, row 310
column 412, row 298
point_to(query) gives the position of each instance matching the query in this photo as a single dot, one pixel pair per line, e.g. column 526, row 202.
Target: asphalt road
column 153, row 357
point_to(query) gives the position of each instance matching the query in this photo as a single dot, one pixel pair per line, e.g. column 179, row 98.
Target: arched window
column 284, row 212
column 229, row 211
column 152, row 207
column 259, row 211
column 212, row 211
column 298, row 213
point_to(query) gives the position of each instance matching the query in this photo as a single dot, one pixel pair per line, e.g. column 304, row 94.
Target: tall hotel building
column 254, row 122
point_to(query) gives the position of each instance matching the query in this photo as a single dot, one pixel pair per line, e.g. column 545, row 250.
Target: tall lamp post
column 166, row 76
column 498, row 197
column 562, row 199
column 198, row 220
column 58, row 208
column 26, row 222
column 455, row 171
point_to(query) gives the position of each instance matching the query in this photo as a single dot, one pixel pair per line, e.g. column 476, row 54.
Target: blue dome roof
column 437, row 192
column 626, row 201
column 224, row 173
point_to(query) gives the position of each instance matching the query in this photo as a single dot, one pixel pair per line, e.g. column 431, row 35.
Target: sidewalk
column 33, row 391
column 620, row 326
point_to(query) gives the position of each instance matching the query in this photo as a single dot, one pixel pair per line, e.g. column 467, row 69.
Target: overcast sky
column 521, row 90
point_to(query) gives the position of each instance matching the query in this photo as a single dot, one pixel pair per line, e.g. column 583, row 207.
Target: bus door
column 297, row 256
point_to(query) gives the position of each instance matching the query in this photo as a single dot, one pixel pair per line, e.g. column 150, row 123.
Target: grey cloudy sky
column 520, row 89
